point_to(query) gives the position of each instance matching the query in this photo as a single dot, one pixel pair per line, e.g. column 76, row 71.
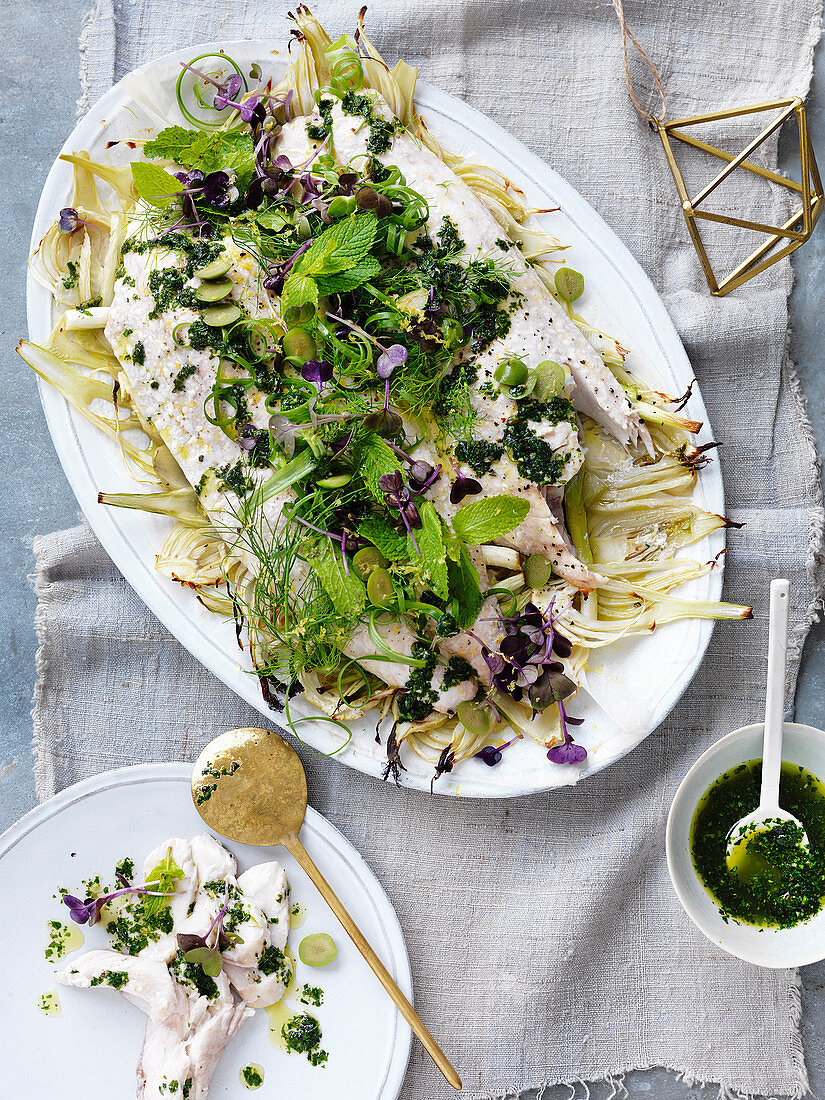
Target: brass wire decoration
column 798, row 227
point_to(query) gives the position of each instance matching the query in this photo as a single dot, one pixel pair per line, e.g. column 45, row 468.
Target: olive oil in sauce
column 776, row 883
column 63, row 939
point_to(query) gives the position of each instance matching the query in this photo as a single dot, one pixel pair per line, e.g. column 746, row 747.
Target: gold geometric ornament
column 796, row 230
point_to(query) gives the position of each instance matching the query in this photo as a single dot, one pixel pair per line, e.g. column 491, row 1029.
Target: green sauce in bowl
column 777, row 883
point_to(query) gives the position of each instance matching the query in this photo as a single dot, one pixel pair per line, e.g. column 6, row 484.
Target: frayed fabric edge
column 100, row 18
column 615, row 1079
column 43, row 768
column 814, row 562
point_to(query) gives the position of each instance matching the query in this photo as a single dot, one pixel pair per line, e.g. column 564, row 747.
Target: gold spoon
column 249, row 786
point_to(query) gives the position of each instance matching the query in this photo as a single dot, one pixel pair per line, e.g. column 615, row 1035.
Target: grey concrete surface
column 38, row 78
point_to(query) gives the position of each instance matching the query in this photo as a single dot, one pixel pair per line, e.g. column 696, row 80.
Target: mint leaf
column 488, row 519
column 164, row 877
column 340, row 247
column 274, row 219
column 432, row 556
column 225, row 150
column 363, row 271
column 391, row 543
column 154, row 185
column 298, row 290
column 375, row 458
column 465, row 589
column 346, row 591
column 184, row 147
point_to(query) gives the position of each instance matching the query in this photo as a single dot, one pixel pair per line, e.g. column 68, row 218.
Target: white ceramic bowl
column 772, row 947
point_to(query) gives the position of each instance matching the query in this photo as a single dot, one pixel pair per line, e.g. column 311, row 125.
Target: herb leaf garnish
column 484, row 520
column 347, row 592
column 154, row 184
column 226, row 150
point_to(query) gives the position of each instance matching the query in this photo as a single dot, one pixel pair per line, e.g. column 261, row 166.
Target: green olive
column 569, row 284
column 337, row 481
column 477, row 719
column 304, row 228
column 537, row 570
column 298, row 344
column 367, row 560
column 299, row 315
column 550, row 379
column 511, row 372
column 215, row 269
column 213, row 290
column 380, row 591
column 453, row 332
column 341, row 205
column 227, row 313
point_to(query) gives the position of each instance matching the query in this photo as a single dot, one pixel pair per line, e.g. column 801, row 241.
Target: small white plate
column 770, row 947
column 633, row 683
column 92, row 1048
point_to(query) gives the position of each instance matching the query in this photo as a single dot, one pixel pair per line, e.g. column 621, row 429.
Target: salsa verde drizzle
column 788, row 885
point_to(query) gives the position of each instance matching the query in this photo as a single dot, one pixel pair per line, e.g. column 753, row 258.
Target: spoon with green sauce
column 249, row 786
column 768, row 813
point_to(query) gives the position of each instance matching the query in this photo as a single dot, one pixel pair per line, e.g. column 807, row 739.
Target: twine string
column 627, row 33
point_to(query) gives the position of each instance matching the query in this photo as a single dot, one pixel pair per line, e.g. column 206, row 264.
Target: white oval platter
column 633, row 684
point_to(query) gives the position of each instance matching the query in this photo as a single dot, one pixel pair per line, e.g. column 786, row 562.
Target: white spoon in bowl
column 769, row 812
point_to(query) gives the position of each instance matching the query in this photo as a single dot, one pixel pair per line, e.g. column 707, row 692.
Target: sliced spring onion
column 77, row 320
column 295, row 470
column 382, row 647
column 575, row 516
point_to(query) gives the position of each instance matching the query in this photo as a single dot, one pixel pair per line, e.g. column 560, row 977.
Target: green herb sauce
column 169, row 290
column 479, row 454
column 535, row 459
column 252, row 1076
column 419, row 698
column 458, row 670
column 779, row 884
column 302, row 1035
column 115, row 978
column 382, row 130
column 182, row 375
column 274, row 961
column 311, row 995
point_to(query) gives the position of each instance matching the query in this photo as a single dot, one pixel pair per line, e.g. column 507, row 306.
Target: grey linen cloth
column 546, row 943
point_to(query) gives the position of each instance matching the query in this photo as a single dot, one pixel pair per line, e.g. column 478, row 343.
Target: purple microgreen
column 397, row 496
column 491, row 754
column 88, row 911
column 219, row 189
column 568, row 752
column 367, row 198
column 275, row 281
column 318, row 530
column 395, row 356
column 227, row 92
column 336, row 446
column 69, row 220
column 199, row 951
column 317, row 371
column 202, row 76
column 283, row 432
column 463, row 486
column 383, row 422
column 249, row 436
